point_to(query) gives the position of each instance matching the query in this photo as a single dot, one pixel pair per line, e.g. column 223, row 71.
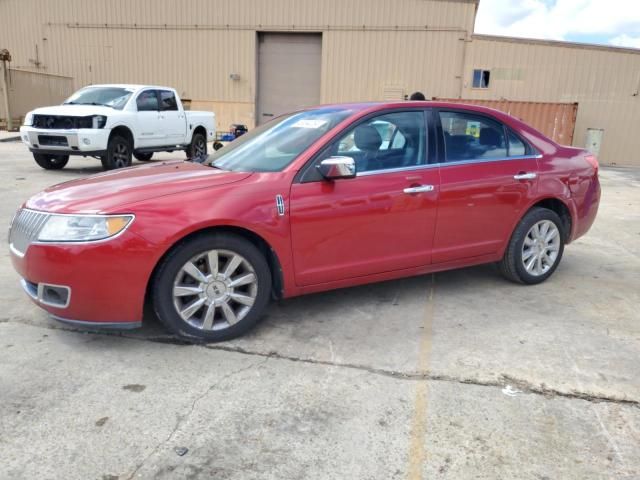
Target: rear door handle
column 525, row 176
column 418, row 189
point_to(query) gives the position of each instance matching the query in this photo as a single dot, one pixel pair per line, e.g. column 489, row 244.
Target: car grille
column 53, row 140
column 61, row 122
column 25, row 228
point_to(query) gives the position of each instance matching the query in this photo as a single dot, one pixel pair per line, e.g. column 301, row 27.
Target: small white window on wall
column 481, row 78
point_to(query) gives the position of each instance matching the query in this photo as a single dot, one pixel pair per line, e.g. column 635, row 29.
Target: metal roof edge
column 556, row 43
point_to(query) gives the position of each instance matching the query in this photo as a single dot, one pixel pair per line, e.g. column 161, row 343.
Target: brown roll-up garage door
column 555, row 120
column 288, row 73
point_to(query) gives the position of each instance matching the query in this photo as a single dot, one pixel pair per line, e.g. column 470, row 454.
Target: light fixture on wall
column 234, row 76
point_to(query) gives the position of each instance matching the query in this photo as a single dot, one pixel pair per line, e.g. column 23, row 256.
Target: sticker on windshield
column 310, row 123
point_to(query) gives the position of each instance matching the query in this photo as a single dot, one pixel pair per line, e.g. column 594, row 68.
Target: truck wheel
column 118, row 153
column 197, row 151
column 143, row 157
column 51, row 162
column 217, row 146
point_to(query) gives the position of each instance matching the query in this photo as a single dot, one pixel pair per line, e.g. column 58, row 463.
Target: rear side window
column 168, row 100
column 147, row 101
column 469, row 137
column 516, row 146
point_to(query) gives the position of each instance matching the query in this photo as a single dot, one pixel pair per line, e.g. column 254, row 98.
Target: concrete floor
column 456, row 375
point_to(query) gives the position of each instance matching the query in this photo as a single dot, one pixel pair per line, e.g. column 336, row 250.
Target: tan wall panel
column 357, row 66
column 28, row 90
column 227, row 112
column 603, row 81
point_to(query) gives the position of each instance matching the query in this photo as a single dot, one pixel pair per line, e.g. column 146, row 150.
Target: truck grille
column 62, row 122
column 25, row 228
column 53, row 140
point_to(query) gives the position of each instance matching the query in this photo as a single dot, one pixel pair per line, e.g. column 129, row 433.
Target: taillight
column 593, row 160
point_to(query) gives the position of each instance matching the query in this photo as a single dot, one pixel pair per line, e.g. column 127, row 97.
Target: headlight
column 83, row 228
column 28, row 119
column 98, row 121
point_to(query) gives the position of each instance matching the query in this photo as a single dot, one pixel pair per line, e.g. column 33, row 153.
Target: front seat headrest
column 488, row 136
column 367, row 138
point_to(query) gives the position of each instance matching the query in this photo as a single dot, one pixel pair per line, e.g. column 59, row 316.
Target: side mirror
column 334, row 168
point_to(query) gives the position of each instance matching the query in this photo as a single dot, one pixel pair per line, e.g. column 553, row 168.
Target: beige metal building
column 251, row 59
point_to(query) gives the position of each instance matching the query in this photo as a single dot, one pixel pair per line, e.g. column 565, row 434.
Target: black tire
column 170, row 268
column 197, row 150
column 512, row 264
column 143, row 157
column 217, row 146
column 51, row 162
column 119, row 152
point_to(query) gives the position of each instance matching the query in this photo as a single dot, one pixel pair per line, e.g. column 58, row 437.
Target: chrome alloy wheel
column 215, row 290
column 541, row 247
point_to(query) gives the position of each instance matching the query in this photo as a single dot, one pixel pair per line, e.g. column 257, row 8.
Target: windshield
column 274, row 145
column 114, row 97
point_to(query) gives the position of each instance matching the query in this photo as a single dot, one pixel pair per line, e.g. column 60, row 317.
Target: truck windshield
column 114, row 97
column 274, row 145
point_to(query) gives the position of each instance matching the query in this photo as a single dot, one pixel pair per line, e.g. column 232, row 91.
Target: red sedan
column 324, row 198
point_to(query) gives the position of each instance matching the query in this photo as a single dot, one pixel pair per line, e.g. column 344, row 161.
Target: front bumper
column 106, row 280
column 83, row 141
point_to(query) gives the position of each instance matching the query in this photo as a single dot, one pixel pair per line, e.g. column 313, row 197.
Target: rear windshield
column 114, row 97
column 274, row 145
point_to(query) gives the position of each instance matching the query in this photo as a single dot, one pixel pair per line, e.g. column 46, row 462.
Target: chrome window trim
column 447, row 164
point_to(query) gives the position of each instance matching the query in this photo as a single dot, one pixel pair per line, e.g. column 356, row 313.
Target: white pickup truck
column 114, row 123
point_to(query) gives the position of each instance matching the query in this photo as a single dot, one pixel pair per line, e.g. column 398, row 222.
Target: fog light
column 86, row 141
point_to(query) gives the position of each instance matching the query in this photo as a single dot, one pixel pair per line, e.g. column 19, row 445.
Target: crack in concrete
column 183, row 418
column 524, row 385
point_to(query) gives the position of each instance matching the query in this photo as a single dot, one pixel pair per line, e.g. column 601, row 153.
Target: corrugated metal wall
column 603, row 81
column 555, row 120
column 372, row 50
column 194, row 46
column 28, row 90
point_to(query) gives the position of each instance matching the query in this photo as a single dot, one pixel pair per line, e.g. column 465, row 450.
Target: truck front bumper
column 83, row 141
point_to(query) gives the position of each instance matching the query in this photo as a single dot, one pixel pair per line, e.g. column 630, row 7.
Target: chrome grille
column 25, row 228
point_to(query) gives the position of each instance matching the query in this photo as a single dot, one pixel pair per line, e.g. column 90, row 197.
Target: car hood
column 111, row 192
column 74, row 110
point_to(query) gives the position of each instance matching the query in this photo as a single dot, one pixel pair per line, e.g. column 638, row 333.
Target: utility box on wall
column 593, row 140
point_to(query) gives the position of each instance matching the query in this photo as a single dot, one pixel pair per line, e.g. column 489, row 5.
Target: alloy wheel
column 200, row 149
column 121, row 155
column 215, row 289
column 541, row 247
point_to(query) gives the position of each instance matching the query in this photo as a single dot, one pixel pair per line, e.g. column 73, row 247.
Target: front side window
column 274, row 145
column 468, row 137
column 147, row 101
column 393, row 140
column 168, row 100
column 114, row 97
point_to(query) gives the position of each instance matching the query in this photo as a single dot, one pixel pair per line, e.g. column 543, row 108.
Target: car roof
column 129, row 85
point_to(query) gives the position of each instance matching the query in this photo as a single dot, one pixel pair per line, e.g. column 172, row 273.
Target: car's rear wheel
column 197, row 150
column 51, row 162
column 143, row 157
column 119, row 152
column 535, row 248
column 212, row 287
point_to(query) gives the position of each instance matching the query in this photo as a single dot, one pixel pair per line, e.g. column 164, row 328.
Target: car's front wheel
column 51, row 162
column 212, row 287
column 119, row 152
column 535, row 248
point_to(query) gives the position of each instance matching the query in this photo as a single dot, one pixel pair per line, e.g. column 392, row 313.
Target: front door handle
column 525, row 176
column 268, row 115
column 418, row 189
